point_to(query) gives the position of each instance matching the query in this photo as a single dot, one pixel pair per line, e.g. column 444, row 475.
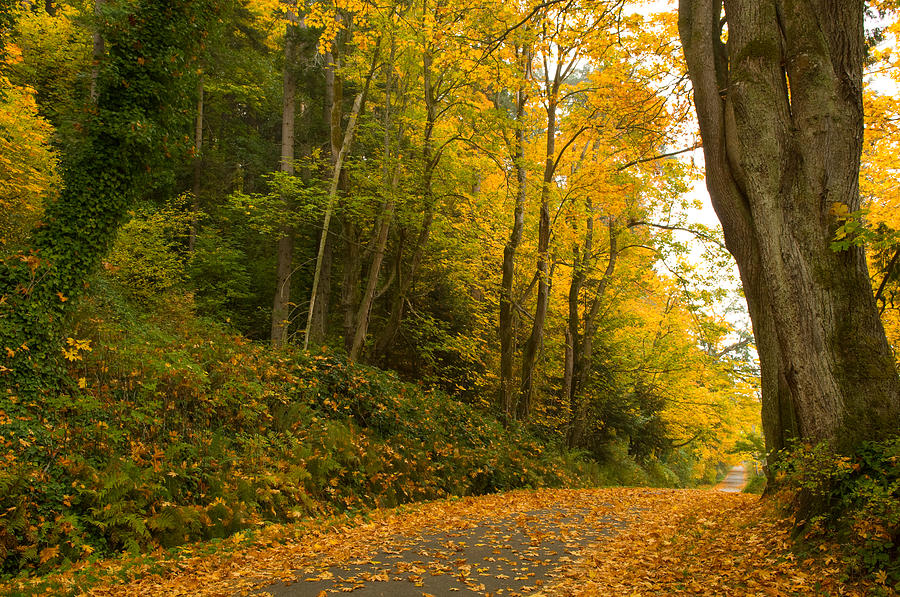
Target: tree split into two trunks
column 781, row 117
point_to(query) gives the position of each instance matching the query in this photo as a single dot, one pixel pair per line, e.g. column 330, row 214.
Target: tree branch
column 697, row 233
column 887, row 274
column 696, row 145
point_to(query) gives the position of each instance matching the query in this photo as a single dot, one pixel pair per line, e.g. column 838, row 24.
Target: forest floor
column 619, row 541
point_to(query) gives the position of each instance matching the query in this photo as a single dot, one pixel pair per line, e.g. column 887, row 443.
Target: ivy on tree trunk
column 132, row 134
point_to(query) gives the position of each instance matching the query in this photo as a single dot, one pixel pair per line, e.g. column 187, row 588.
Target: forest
column 265, row 262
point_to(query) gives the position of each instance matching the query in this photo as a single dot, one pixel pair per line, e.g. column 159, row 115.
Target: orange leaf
column 48, row 553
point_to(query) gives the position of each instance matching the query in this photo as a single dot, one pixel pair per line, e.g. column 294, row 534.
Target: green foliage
column 289, row 202
column 751, row 444
column 173, row 430
column 130, row 137
column 856, row 500
column 149, row 253
column 854, row 230
column 55, row 61
column 756, row 483
column 219, row 273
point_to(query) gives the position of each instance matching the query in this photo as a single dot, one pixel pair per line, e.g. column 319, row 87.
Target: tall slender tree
column 507, row 305
column 281, row 303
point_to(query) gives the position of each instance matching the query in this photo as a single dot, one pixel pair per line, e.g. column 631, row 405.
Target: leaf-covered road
column 511, row 554
column 622, row 541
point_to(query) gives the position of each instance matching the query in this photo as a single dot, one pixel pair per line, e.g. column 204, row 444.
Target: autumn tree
column 28, row 166
column 780, row 106
column 565, row 39
column 443, row 69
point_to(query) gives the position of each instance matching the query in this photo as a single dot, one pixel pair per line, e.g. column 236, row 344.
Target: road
column 734, row 481
column 505, row 555
column 552, row 542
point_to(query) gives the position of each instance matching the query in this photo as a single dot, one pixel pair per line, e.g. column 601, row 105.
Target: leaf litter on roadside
column 630, row 541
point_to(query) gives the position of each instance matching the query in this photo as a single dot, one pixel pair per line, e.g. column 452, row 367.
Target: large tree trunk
column 281, row 304
column 780, row 112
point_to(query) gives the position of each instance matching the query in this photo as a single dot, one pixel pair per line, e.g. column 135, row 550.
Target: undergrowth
column 851, row 501
column 169, row 429
column 172, row 430
column 756, row 482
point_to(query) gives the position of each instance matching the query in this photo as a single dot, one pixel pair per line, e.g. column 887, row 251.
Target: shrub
column 855, row 498
column 146, row 257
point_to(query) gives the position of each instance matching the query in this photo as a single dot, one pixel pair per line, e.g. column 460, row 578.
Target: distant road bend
column 735, row 480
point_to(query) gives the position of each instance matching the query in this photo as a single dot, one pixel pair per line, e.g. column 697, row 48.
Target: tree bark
column 196, row 166
column 406, row 276
column 383, row 226
column 98, row 50
column 582, row 350
column 507, row 311
column 535, row 339
column 347, row 141
column 281, row 304
column 781, row 117
column 334, row 98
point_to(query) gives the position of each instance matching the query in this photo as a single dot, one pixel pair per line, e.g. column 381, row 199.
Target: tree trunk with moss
column 781, row 117
column 102, row 176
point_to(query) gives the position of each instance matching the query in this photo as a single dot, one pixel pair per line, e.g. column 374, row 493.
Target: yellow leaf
column 82, row 383
column 839, row 209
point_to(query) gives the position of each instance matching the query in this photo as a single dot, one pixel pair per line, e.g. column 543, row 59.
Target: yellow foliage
column 881, row 194
column 28, row 164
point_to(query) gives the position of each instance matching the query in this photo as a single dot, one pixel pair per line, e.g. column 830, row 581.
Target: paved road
column 735, row 480
column 507, row 556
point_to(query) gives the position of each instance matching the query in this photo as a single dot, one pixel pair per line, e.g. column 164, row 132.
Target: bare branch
column 696, row 145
